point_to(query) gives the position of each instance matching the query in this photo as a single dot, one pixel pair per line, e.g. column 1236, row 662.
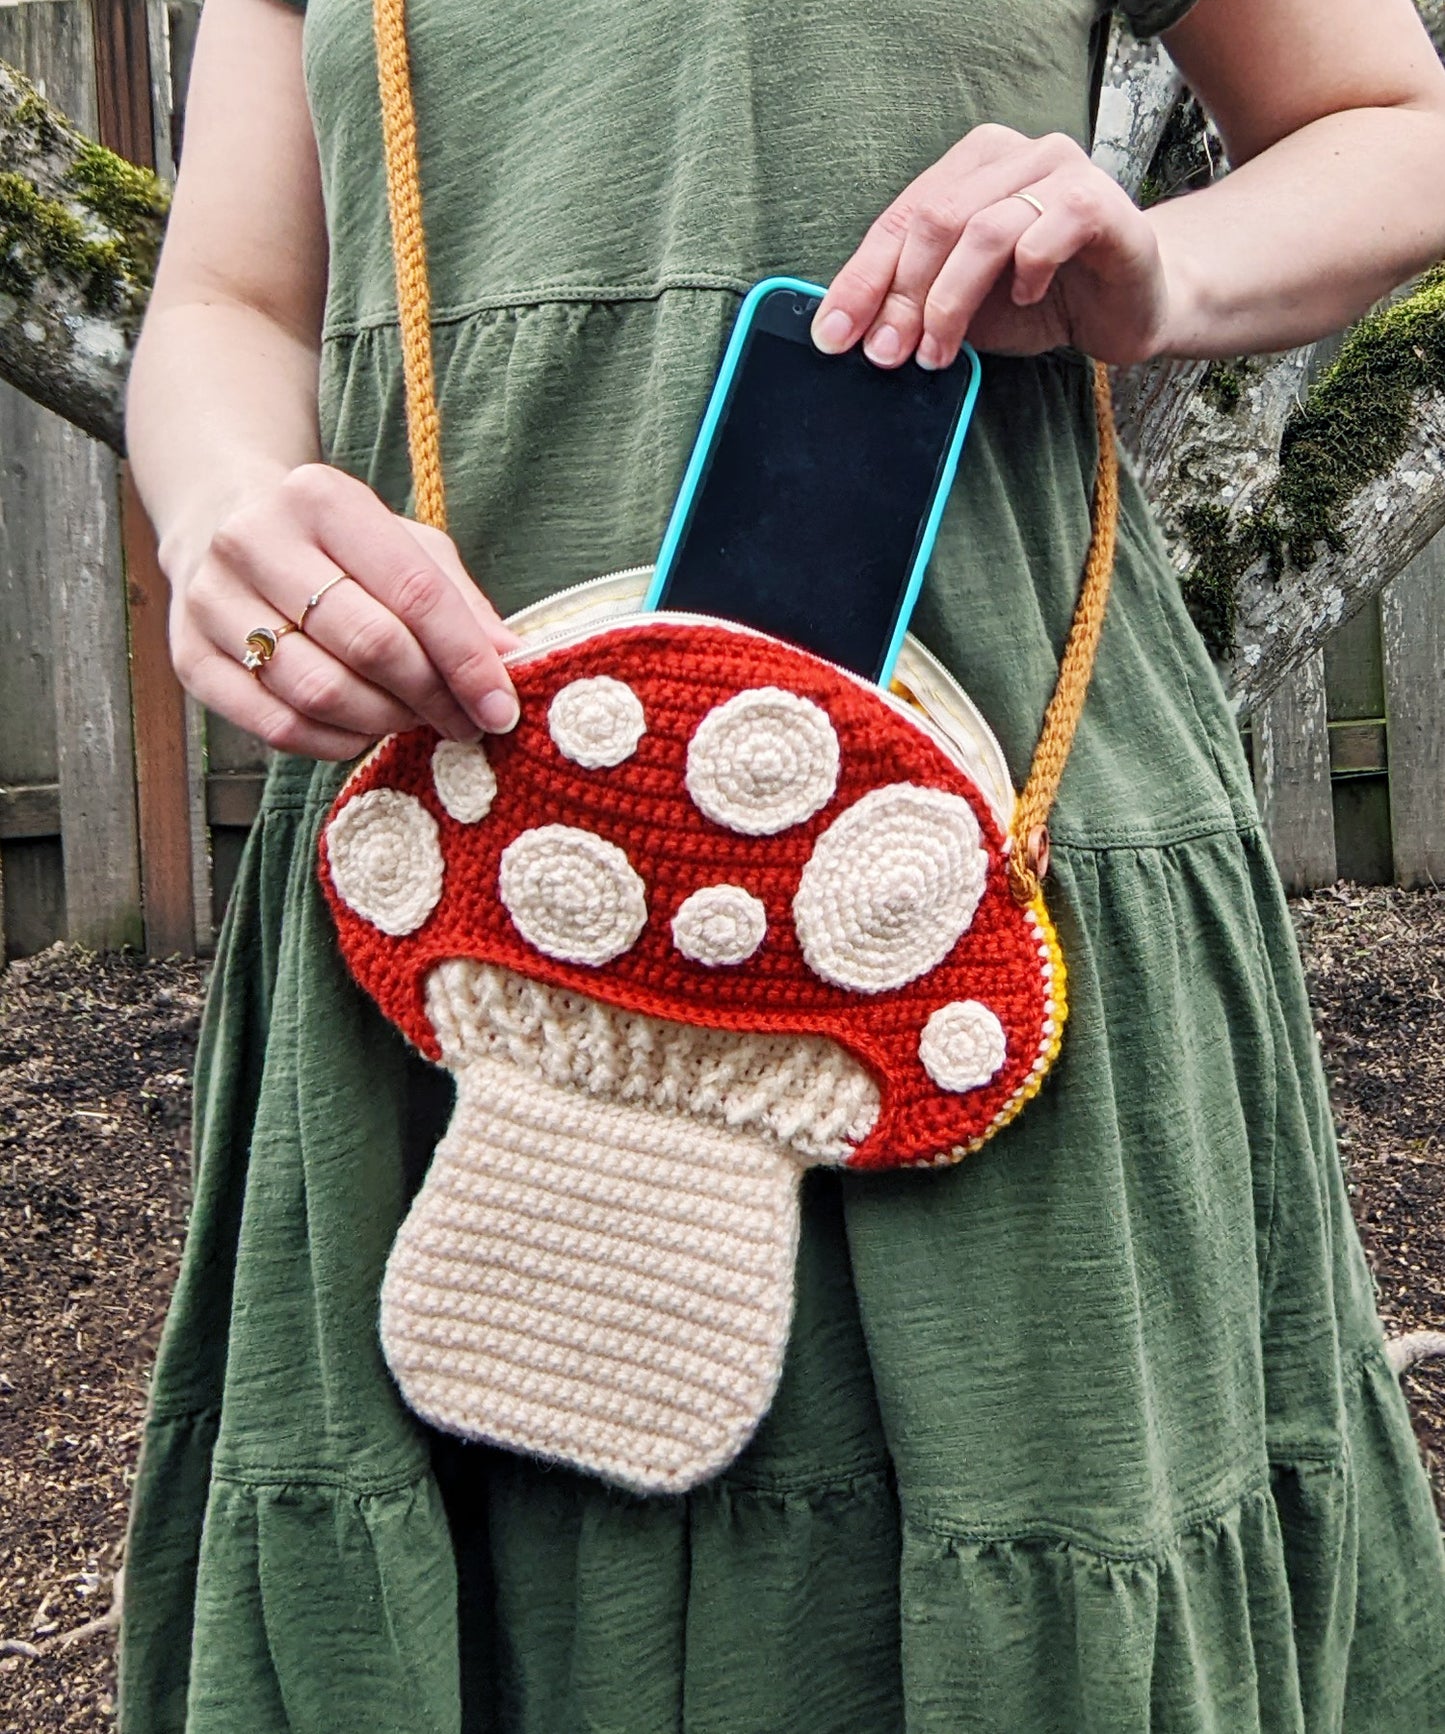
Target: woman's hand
column 406, row 637
column 958, row 254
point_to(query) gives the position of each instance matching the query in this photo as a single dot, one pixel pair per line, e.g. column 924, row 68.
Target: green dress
column 1092, row 1434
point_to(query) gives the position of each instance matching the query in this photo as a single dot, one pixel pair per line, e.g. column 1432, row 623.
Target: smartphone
column 813, row 495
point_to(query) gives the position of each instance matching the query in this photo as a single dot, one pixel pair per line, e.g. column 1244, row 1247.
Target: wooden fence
column 123, row 808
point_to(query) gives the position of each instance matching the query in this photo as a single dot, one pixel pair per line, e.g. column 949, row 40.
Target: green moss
column 109, row 257
column 1223, row 384
column 1354, row 424
column 39, row 237
column 122, row 195
column 33, row 116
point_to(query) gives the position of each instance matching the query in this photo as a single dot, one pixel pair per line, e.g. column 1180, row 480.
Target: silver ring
column 1029, row 199
column 311, row 601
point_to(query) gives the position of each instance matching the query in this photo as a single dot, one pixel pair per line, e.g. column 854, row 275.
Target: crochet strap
column 1029, row 851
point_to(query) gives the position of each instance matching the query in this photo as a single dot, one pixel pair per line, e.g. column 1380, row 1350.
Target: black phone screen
column 809, row 514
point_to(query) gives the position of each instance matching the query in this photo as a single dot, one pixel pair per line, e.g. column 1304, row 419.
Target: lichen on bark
column 80, row 232
column 1355, row 423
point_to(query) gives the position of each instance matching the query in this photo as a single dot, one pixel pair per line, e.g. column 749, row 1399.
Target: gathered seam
column 547, row 295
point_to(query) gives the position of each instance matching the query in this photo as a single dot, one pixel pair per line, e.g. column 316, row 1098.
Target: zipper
column 921, row 688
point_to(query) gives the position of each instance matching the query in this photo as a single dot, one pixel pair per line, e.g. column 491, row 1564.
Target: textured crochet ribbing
column 802, row 1091
column 594, row 1281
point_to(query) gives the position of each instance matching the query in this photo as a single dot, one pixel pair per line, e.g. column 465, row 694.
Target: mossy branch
column 1324, row 514
column 80, row 231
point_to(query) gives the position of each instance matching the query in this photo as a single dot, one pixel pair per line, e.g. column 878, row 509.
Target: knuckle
column 319, row 691
column 894, row 223
column 283, row 730
column 942, row 311
column 992, row 132
column 991, row 232
column 1059, row 146
column 373, row 645
column 309, row 487
column 231, row 544
column 935, row 221
column 419, row 592
column 476, row 670
column 1081, row 200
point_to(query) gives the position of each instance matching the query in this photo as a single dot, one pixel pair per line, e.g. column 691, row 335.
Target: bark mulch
column 1375, row 959
column 95, row 1056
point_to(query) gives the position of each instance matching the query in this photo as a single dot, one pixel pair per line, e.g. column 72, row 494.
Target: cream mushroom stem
column 599, row 1266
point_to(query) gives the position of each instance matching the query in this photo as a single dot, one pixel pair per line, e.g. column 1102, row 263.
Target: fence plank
column 1412, row 613
column 92, row 693
column 122, row 57
column 60, row 506
column 1292, row 778
column 34, row 899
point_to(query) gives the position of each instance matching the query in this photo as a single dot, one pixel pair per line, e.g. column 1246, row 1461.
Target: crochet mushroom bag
column 715, row 912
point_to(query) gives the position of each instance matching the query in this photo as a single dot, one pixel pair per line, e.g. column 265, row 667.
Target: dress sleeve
column 1146, row 17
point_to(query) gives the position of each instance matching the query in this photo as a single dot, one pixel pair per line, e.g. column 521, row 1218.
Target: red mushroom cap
column 702, row 825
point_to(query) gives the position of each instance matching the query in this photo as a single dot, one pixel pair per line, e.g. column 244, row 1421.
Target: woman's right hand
column 406, row 637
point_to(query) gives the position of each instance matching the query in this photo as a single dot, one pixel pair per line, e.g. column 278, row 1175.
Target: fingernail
column 884, row 345
column 498, row 712
column 930, row 354
column 468, row 733
column 832, row 332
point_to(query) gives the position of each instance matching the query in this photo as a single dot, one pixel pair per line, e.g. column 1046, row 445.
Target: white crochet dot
column 572, row 894
column 762, row 761
column 721, row 924
column 597, row 722
column 386, row 861
column 890, row 887
column 465, row 781
column 962, row 1045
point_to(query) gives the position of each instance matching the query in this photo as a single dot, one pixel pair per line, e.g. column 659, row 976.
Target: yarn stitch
column 719, row 925
column 464, row 779
column 763, row 761
column 962, row 1045
column 572, row 894
column 890, row 887
column 596, row 723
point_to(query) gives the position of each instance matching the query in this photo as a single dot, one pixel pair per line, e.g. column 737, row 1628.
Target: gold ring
column 1029, row 199
column 311, row 601
column 261, row 642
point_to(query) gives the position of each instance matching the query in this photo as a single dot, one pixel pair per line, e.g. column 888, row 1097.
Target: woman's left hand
column 957, row 254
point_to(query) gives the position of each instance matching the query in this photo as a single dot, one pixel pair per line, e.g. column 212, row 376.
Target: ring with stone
column 261, row 642
column 313, row 599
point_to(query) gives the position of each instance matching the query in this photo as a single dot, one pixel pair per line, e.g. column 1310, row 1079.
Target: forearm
column 221, row 403
column 1301, row 239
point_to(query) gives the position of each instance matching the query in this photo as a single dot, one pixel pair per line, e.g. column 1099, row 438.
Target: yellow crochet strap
column 408, row 246
column 1028, row 854
column 1028, row 857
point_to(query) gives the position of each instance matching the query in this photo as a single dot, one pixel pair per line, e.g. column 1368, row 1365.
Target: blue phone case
column 703, row 444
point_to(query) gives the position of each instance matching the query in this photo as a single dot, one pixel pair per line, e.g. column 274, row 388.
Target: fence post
column 1292, row 778
column 62, row 553
column 1412, row 628
column 123, row 78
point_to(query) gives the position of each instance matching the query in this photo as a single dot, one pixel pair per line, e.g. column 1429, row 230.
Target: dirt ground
column 95, row 1054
